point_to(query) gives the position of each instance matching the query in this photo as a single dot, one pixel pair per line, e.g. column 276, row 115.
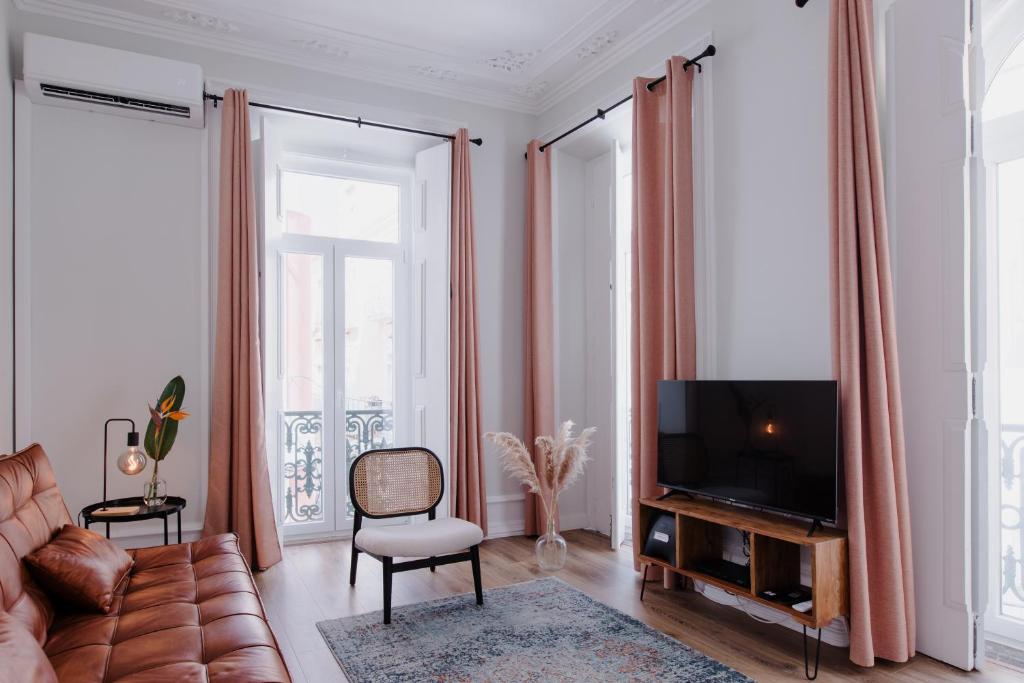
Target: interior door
column 928, row 180
column 430, row 304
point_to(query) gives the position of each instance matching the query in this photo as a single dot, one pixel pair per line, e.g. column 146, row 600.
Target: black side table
column 172, row 506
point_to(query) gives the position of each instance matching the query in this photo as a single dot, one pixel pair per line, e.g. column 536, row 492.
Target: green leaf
column 158, row 448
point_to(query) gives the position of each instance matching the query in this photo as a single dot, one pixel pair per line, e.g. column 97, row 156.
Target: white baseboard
column 505, row 517
column 149, row 532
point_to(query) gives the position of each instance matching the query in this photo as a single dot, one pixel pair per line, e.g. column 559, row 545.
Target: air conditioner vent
column 135, row 104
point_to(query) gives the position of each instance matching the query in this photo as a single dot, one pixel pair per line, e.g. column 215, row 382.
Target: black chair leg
column 387, row 589
column 477, row 584
column 357, row 523
column 355, row 561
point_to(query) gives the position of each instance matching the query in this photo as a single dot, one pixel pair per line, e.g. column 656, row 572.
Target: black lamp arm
column 133, row 440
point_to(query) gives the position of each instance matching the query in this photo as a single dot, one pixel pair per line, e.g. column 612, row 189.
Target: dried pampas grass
column 561, row 460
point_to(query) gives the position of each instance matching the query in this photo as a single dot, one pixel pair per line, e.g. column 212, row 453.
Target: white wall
column 113, row 286
column 499, row 196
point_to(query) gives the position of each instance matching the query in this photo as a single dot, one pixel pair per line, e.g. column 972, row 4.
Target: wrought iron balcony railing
column 302, row 465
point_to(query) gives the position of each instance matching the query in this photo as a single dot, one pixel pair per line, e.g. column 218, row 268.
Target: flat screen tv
column 772, row 445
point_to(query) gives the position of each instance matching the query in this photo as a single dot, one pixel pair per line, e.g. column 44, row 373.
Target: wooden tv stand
column 775, row 547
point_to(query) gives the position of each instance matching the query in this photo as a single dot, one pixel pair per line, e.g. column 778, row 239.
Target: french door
column 338, row 380
column 1003, row 375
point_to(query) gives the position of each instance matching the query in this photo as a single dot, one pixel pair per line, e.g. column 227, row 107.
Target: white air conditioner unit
column 101, row 79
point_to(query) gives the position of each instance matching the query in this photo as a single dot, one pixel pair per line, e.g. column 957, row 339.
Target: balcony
column 302, row 456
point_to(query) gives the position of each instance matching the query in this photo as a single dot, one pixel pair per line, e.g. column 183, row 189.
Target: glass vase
column 551, row 548
column 155, row 491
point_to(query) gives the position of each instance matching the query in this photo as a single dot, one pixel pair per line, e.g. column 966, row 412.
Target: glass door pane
column 369, row 375
column 302, row 357
column 1010, row 546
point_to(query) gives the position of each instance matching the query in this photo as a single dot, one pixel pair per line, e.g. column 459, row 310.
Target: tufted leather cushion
column 187, row 612
column 23, row 659
column 31, row 512
column 80, row 567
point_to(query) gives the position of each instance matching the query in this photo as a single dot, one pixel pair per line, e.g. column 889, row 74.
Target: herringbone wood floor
column 311, row 584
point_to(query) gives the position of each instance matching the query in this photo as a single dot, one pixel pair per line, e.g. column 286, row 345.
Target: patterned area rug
column 542, row 630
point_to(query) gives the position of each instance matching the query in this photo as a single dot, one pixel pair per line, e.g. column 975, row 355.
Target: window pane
column 340, row 207
column 1011, row 388
column 369, row 356
column 302, row 355
column 1006, row 94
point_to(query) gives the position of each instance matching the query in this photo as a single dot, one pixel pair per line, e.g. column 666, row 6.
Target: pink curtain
column 539, row 318
column 664, row 324
column 238, row 498
column 468, row 493
column 864, row 345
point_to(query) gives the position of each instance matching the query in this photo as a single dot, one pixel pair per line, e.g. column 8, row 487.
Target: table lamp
column 132, row 461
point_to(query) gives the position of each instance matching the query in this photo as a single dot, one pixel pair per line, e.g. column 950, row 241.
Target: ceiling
column 523, row 55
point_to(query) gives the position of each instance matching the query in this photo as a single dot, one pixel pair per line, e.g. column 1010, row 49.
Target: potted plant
column 160, row 435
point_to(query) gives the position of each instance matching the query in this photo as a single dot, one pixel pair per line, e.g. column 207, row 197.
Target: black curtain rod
column 709, row 51
column 346, row 119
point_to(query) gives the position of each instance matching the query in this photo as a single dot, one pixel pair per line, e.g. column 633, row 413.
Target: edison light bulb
column 133, row 460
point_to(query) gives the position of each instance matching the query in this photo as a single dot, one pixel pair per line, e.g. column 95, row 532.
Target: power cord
column 742, row 604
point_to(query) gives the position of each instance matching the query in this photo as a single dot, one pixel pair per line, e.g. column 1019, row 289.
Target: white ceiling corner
column 524, row 56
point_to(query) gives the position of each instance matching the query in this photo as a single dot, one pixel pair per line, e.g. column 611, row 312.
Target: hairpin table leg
column 817, row 656
column 643, row 584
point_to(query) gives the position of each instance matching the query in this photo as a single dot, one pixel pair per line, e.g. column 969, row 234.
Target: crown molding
column 621, row 50
column 329, row 51
column 235, row 44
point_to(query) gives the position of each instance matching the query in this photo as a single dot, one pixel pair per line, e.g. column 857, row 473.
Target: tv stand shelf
column 775, row 548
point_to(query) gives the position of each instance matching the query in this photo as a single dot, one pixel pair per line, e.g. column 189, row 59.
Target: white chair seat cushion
column 433, row 537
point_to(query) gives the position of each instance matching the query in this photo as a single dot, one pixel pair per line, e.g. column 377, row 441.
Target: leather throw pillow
column 80, row 567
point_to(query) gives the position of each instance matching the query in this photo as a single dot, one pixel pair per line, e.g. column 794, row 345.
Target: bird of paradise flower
column 163, row 424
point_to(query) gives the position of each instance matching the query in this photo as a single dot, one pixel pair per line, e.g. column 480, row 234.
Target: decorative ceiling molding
column 621, row 49
column 596, row 45
column 511, row 62
column 320, row 47
column 436, row 73
column 532, row 90
column 203, row 21
column 525, row 81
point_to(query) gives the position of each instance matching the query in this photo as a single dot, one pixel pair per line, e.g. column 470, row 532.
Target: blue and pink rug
column 542, row 630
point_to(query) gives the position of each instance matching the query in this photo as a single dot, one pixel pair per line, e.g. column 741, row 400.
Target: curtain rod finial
column 479, row 142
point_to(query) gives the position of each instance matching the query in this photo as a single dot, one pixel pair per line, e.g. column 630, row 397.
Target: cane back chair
column 404, row 482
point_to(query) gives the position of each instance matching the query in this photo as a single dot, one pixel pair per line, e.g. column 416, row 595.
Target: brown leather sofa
column 188, row 612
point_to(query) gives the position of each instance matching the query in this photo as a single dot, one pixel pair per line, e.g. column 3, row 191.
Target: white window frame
column 334, row 251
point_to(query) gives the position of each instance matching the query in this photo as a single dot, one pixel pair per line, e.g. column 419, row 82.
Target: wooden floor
column 311, row 584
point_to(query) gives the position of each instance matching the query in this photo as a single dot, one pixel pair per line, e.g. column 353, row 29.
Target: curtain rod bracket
column 601, row 113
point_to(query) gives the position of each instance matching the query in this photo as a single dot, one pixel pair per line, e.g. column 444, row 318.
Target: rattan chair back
column 394, row 482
